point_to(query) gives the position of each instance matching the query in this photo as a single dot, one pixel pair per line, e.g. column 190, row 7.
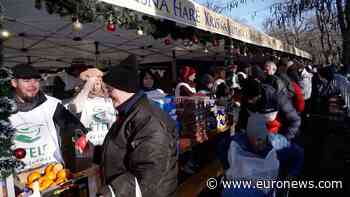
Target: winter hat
column 293, row 74
column 256, row 127
column 124, row 76
column 257, row 73
column 251, row 88
column 25, row 71
column 186, row 72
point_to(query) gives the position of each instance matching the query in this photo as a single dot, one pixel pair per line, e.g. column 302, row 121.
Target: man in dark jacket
column 263, row 99
column 44, row 127
column 139, row 152
column 271, row 79
column 262, row 104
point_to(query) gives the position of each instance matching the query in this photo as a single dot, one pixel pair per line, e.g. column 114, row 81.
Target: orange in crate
column 33, row 177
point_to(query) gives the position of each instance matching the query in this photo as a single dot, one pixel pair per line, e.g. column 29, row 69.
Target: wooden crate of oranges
column 49, row 176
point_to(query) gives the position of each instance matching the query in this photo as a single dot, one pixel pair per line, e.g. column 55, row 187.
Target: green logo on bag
column 100, row 115
column 28, row 133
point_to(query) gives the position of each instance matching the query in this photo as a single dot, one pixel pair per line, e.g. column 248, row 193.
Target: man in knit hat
column 139, row 152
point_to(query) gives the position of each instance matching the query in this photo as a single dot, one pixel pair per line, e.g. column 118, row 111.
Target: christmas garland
column 88, row 11
column 8, row 161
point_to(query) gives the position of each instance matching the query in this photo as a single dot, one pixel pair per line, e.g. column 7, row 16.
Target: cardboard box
column 83, row 184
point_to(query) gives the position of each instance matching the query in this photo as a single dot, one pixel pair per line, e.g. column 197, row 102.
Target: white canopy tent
column 48, row 41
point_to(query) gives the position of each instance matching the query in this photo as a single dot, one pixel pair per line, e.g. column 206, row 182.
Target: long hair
column 186, row 72
column 101, row 93
column 156, row 83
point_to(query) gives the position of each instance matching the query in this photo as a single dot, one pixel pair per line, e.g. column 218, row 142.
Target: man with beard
column 44, row 127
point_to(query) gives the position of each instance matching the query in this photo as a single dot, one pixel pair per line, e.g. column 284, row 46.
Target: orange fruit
column 42, row 179
column 49, row 168
column 51, row 175
column 45, row 184
column 58, row 167
column 30, row 185
column 60, row 180
column 33, row 176
column 63, row 173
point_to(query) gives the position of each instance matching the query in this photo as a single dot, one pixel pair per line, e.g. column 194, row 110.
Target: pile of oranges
column 54, row 174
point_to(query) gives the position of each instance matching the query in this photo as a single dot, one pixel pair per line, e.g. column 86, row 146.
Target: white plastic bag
column 137, row 189
column 245, row 165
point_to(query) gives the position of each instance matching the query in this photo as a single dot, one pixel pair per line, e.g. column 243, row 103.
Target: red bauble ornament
column 167, row 41
column 195, row 40
column 111, row 27
column 216, row 43
column 20, row 153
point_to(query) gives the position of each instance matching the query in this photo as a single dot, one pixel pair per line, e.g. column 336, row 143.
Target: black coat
column 274, row 101
column 142, row 145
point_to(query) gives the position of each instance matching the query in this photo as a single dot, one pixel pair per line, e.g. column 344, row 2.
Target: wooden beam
column 173, row 67
column 194, row 185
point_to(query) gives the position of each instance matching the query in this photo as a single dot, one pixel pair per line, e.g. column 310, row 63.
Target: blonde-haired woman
column 94, row 107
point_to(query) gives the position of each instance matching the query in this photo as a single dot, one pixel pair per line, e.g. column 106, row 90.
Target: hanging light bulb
column 77, row 26
column 139, row 31
column 206, row 50
column 4, row 34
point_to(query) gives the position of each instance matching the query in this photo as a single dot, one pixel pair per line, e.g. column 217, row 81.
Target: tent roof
column 47, row 40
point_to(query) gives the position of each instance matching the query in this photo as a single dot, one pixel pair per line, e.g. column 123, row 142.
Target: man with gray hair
column 271, row 79
column 290, row 63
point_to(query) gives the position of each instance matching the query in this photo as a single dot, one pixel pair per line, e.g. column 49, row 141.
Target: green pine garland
column 94, row 11
column 8, row 161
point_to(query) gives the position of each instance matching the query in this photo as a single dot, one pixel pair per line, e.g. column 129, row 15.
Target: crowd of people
column 136, row 142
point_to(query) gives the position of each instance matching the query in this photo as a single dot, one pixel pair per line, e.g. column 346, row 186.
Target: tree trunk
column 344, row 23
column 346, row 51
column 1, row 53
column 320, row 24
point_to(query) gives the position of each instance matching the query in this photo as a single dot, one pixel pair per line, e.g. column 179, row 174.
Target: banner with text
column 190, row 13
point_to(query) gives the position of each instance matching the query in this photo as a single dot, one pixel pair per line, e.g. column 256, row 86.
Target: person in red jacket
column 298, row 98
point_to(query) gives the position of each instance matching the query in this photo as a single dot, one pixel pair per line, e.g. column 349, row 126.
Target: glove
column 81, row 143
column 278, row 141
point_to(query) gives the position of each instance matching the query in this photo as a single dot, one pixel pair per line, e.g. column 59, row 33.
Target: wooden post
column 215, row 58
column 173, row 67
column 7, row 187
column 1, row 53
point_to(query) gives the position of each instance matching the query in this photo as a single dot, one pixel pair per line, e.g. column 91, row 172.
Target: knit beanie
column 124, row 76
column 25, row 71
column 251, row 88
